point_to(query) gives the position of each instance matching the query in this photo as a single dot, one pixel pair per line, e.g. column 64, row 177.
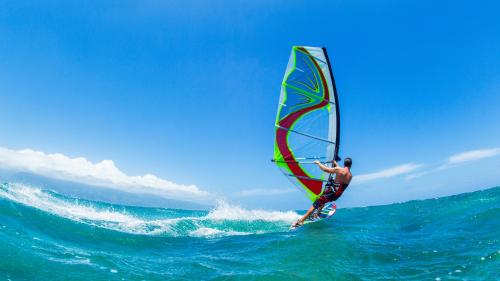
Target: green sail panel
column 307, row 126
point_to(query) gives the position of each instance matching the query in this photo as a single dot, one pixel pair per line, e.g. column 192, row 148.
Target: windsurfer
column 333, row 188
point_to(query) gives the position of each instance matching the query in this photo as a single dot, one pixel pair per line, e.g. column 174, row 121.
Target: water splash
column 224, row 220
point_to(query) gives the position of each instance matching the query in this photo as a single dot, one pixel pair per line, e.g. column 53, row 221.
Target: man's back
column 343, row 175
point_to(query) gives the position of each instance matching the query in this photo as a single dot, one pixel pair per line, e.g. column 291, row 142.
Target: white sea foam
column 74, row 210
column 211, row 232
column 218, row 222
column 44, row 201
column 225, row 211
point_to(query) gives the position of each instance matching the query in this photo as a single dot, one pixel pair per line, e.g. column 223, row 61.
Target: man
column 333, row 189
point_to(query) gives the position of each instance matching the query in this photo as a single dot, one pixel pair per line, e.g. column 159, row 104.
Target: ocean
column 47, row 236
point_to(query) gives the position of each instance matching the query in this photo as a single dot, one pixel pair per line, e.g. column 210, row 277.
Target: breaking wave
column 225, row 219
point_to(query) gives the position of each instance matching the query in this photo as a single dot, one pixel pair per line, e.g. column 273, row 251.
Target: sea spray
column 224, row 219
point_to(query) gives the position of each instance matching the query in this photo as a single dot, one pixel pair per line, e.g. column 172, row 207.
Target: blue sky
column 188, row 91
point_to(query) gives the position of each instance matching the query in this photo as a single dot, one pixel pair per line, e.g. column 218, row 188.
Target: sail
column 308, row 122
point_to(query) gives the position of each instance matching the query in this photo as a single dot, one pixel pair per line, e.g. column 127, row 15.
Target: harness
column 336, row 188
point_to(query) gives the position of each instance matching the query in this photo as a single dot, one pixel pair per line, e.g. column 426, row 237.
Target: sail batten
column 307, row 122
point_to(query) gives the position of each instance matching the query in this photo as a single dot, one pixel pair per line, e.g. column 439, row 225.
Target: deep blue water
column 47, row 236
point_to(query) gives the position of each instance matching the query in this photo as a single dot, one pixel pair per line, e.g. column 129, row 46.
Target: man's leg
column 318, row 203
column 319, row 211
column 308, row 213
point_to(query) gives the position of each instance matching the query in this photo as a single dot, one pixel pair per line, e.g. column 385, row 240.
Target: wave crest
column 224, row 220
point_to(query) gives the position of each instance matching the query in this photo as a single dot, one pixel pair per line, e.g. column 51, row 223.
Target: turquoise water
column 46, row 236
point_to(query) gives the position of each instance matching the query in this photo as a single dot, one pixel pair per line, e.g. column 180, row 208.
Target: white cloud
column 458, row 159
column 416, row 175
column 472, row 155
column 263, row 192
column 423, row 173
column 387, row 173
column 102, row 174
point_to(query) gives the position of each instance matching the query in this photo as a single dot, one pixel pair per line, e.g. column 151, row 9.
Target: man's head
column 348, row 162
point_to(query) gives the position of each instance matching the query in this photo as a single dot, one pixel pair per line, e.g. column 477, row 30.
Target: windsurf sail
column 308, row 121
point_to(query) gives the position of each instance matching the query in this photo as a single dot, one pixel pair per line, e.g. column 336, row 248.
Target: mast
column 337, row 109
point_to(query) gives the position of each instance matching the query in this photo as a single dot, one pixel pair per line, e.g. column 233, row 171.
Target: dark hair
column 348, row 162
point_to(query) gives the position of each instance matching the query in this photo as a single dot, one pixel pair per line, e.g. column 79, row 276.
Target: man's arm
column 330, row 170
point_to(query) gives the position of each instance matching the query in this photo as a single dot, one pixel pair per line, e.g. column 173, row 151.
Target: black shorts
column 327, row 196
